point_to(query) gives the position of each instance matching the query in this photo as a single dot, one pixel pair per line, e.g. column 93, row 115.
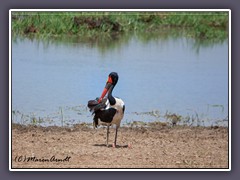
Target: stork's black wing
column 94, row 105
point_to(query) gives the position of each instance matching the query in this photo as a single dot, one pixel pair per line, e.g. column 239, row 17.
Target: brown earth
column 154, row 146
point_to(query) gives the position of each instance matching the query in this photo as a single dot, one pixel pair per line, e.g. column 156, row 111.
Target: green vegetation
column 199, row 25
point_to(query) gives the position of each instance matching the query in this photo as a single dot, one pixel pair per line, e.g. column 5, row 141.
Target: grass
column 61, row 118
column 200, row 25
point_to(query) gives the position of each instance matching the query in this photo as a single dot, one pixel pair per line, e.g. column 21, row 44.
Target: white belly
column 119, row 113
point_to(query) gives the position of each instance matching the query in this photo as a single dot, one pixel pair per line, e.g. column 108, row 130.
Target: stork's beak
column 106, row 88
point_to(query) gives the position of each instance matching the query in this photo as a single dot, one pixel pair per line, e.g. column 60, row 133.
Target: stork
column 108, row 110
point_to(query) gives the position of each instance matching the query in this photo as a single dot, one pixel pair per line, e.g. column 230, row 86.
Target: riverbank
column 152, row 146
column 200, row 25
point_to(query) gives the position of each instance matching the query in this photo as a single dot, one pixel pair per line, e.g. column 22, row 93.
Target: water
column 52, row 80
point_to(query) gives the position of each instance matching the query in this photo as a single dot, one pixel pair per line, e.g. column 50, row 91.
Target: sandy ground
column 155, row 146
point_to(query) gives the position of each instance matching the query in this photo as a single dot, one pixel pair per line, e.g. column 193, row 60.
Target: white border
column 10, row 91
column 123, row 10
column 229, row 89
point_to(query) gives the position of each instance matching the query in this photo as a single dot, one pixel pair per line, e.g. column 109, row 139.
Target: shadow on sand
column 110, row 145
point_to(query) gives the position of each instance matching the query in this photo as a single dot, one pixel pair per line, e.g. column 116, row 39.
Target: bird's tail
column 95, row 122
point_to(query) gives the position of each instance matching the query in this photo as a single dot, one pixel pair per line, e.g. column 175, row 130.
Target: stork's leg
column 115, row 142
column 107, row 134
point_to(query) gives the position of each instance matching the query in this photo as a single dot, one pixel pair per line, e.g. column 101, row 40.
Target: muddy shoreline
column 152, row 146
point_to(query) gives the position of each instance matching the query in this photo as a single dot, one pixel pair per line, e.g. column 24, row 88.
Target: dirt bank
column 155, row 146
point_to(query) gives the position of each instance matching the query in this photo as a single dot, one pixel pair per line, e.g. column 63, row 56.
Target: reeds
column 203, row 25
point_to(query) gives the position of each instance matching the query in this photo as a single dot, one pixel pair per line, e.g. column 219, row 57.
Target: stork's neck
column 110, row 97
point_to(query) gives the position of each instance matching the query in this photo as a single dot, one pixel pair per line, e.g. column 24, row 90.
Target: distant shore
column 200, row 25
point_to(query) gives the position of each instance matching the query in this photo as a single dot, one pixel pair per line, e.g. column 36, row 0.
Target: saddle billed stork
column 108, row 110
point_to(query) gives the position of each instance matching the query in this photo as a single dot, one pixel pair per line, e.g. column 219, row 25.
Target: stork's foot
column 129, row 146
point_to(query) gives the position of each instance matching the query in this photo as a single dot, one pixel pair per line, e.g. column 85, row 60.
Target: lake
column 53, row 79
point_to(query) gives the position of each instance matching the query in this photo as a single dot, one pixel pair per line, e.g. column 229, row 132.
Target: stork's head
column 113, row 78
column 111, row 82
